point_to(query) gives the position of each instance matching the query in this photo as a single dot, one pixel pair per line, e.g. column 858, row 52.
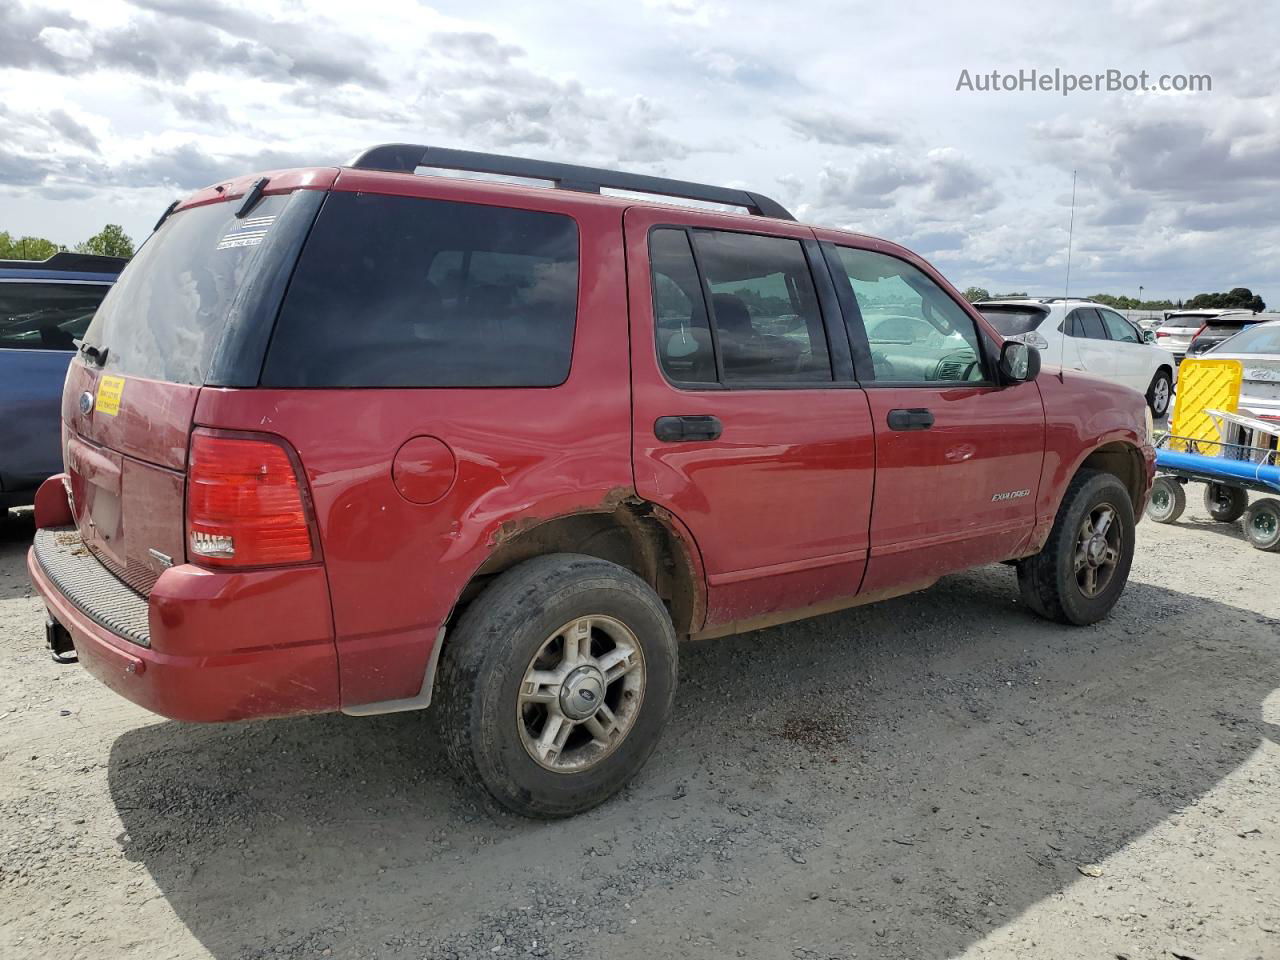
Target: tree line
column 1237, row 298
column 110, row 241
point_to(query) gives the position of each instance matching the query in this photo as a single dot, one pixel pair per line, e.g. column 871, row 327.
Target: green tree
column 110, row 241
column 974, row 294
column 26, row 248
column 1238, row 298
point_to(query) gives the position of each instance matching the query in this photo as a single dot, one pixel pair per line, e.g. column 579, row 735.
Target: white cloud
column 850, row 116
column 71, row 44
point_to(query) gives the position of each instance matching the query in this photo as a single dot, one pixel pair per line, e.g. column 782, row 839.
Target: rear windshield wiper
column 97, row 355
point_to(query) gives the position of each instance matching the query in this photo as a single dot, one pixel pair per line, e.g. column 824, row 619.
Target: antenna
column 1066, row 286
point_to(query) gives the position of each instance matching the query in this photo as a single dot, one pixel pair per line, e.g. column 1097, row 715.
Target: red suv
column 360, row 439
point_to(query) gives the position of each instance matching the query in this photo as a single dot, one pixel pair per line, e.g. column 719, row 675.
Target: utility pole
column 1140, row 296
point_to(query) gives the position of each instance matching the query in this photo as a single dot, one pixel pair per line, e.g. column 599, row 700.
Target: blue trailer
column 1245, row 460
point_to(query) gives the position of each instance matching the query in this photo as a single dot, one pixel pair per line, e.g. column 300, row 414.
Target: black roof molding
column 407, row 157
column 70, row 262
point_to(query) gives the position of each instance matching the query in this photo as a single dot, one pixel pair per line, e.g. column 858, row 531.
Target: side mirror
column 1149, row 336
column 1019, row 363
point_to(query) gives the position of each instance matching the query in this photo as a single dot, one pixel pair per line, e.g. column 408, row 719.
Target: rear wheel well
column 1124, row 461
column 633, row 536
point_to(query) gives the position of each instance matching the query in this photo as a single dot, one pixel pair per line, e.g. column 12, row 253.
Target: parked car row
column 1194, row 332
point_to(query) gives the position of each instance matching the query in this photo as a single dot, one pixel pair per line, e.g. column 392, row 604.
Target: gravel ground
column 936, row 776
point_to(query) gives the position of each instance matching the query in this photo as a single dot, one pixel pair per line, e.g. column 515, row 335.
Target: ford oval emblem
column 86, row 402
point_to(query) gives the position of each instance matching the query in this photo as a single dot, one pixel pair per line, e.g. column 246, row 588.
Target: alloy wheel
column 581, row 694
column 1097, row 550
column 1161, row 396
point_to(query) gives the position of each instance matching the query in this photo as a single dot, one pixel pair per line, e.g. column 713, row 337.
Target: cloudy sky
column 846, row 111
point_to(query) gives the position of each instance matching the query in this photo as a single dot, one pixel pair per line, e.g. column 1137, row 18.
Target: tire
column 1262, row 524
column 1051, row 582
column 1168, row 500
column 530, row 618
column 1225, row 504
column 1160, row 393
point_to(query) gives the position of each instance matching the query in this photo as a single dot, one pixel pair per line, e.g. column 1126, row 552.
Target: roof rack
column 407, row 157
column 1035, row 300
column 67, row 261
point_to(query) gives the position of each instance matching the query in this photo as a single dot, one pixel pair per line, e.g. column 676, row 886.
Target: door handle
column 684, row 429
column 915, row 418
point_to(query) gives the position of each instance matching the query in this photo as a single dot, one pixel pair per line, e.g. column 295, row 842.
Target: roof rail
column 65, row 260
column 407, row 157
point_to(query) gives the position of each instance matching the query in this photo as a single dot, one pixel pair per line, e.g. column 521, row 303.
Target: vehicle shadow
column 938, row 763
column 1231, row 531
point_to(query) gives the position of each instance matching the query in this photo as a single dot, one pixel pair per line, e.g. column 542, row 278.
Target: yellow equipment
column 1204, row 383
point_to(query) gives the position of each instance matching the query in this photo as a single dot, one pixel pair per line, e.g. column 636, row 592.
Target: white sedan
column 1087, row 336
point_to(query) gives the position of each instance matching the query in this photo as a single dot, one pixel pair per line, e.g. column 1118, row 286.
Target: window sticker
column 110, row 390
column 246, row 233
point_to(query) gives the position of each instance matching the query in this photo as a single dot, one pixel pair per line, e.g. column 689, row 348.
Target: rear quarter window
column 411, row 292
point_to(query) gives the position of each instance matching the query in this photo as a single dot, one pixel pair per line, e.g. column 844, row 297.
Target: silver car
column 1258, row 349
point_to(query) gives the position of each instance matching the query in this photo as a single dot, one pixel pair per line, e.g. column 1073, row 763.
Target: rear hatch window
column 1013, row 320
column 411, row 292
column 167, row 314
column 1262, row 339
column 1192, row 320
column 205, row 282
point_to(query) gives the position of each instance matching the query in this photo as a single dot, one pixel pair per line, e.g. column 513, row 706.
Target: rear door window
column 411, row 292
column 37, row 315
column 768, row 325
column 1085, row 323
column 679, row 310
column 166, row 315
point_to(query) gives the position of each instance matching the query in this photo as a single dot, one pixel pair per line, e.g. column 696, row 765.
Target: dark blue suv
column 45, row 306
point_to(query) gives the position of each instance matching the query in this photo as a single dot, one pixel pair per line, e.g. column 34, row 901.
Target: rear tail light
column 246, row 503
column 1032, row 339
column 1162, row 333
column 1198, row 332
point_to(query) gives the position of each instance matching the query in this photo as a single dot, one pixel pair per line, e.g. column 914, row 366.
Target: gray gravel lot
column 935, row 776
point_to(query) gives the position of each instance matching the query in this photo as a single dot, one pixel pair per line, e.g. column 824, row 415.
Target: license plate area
column 95, row 492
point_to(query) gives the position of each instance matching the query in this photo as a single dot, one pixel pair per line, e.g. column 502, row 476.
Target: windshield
column 1013, row 321
column 1260, row 339
column 166, row 315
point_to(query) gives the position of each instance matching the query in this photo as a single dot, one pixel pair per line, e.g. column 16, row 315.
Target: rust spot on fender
column 613, row 498
column 616, row 497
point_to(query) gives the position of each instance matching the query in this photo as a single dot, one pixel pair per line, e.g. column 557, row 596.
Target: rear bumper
column 222, row 646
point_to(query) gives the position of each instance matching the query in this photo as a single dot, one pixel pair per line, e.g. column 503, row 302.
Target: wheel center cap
column 1097, row 548
column 582, row 692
